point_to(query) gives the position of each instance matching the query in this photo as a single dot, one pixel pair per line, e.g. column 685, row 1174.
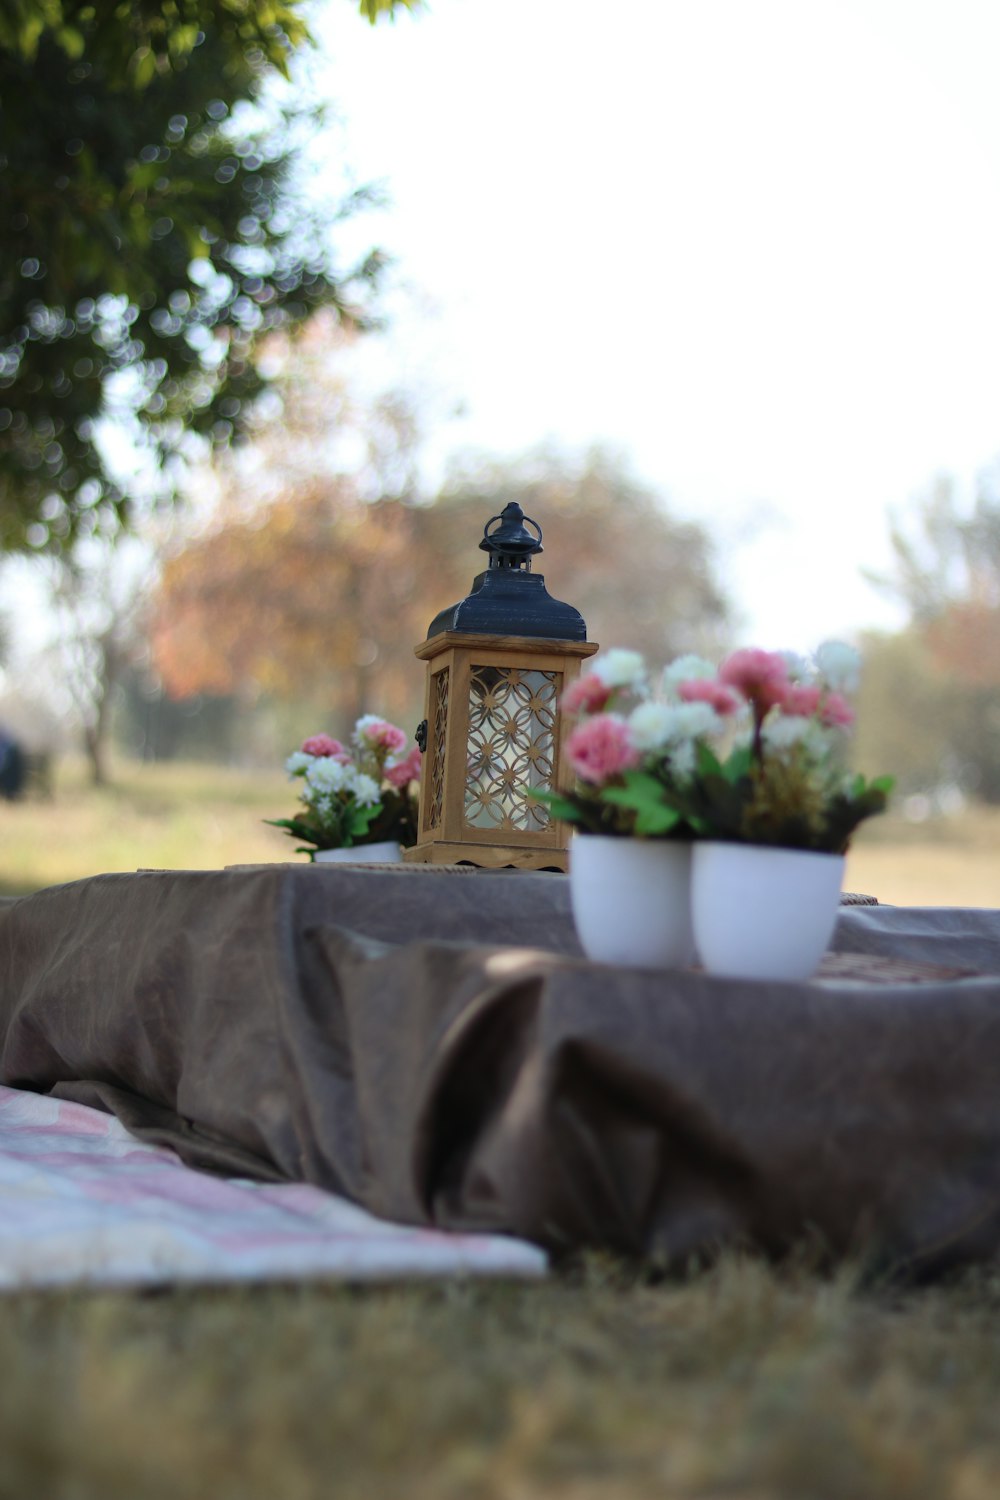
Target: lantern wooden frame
column 496, row 826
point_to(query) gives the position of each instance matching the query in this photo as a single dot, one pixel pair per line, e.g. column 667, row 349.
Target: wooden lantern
column 497, row 666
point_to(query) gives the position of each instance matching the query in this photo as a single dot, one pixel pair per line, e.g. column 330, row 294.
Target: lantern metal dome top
column 511, row 545
column 507, row 599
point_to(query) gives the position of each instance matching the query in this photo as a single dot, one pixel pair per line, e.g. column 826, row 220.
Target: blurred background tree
column 930, row 705
column 641, row 577
column 152, row 233
column 323, row 561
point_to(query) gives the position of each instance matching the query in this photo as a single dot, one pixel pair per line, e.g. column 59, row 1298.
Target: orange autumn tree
column 303, row 581
column 930, row 692
column 313, row 600
column 320, row 565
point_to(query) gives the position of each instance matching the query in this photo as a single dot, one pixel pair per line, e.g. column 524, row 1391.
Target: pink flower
column 812, row 702
column 405, row 771
column 587, row 695
column 379, row 734
column 323, row 745
column 802, row 700
column 836, row 712
column 761, row 676
column 707, row 690
column 600, row 748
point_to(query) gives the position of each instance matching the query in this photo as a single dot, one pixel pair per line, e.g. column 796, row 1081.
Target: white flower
column 327, row 775
column 840, row 666
column 364, row 724
column 799, row 669
column 697, row 720
column 686, row 669
column 786, row 732
column 653, row 726
column 658, row 726
column 682, row 758
column 366, row 790
column 298, row 763
column 618, row 668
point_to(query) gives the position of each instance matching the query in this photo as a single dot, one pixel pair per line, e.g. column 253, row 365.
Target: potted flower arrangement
column 746, row 766
column 358, row 803
column 630, row 866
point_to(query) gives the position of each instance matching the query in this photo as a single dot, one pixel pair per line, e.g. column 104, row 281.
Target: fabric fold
column 437, row 1050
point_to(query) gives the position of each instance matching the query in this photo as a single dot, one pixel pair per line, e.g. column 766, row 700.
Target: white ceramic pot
column 762, row 913
column 631, row 900
column 386, row 852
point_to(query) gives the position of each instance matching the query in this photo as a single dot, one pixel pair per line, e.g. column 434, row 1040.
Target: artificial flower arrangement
column 356, row 796
column 752, row 752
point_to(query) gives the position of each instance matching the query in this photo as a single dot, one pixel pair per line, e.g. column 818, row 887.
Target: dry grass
column 737, row 1381
column 152, row 817
column 203, row 817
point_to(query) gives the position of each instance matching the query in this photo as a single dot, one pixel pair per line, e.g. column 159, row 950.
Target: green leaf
column 655, row 820
column 70, row 40
column 358, row 821
column 559, row 806
column 737, row 764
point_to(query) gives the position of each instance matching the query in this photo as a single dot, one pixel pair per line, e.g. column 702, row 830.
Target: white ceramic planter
column 386, row 852
column 762, row 913
column 631, row 900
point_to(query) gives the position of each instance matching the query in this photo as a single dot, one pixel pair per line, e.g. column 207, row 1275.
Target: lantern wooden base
column 488, row 856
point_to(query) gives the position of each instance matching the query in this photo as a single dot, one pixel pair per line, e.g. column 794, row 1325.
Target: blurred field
column 169, row 816
column 177, row 816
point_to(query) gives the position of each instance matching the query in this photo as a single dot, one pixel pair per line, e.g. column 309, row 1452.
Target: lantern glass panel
column 438, row 742
column 511, row 746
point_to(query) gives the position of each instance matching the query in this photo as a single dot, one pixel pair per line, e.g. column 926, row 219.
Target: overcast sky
column 753, row 245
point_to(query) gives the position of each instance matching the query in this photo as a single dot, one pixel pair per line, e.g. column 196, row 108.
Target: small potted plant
column 630, row 862
column 358, row 803
column 735, row 778
column 774, row 817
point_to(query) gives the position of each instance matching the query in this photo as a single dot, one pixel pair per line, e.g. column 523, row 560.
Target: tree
column 303, row 581
column 640, row 577
column 150, row 237
column 99, row 595
column 322, row 565
column 929, row 702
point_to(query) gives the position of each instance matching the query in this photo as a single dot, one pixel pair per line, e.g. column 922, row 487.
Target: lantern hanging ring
column 511, row 544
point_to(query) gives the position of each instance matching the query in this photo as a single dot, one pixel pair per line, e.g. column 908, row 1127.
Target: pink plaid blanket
column 82, row 1201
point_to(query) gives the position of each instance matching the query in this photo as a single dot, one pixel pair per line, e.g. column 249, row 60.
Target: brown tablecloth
column 435, row 1047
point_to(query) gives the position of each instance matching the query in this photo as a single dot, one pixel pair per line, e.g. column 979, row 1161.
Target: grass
column 736, row 1381
column 171, row 816
column 739, row 1380
column 196, row 817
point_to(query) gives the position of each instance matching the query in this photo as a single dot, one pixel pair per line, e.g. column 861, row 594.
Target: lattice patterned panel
column 439, row 729
column 511, row 748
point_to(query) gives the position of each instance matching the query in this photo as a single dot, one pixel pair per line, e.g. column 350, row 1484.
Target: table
column 434, row 1046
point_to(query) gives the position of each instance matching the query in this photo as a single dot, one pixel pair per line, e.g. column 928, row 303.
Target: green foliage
column 637, row 803
column 781, row 802
column 150, row 238
column 646, row 795
column 347, row 824
column 373, row 9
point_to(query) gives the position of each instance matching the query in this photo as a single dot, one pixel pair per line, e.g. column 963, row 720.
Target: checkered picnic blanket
column 82, row 1201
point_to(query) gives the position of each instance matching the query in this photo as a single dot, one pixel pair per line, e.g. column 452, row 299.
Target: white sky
column 754, row 245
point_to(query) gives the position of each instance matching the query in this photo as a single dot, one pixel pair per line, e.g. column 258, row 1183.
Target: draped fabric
column 434, row 1047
